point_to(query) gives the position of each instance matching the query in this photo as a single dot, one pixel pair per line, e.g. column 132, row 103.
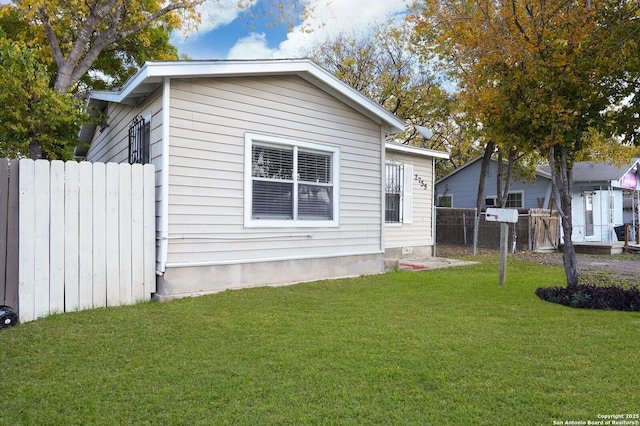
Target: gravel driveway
column 614, row 268
column 601, row 269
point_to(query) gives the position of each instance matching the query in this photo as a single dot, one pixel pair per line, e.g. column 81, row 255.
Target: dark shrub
column 593, row 297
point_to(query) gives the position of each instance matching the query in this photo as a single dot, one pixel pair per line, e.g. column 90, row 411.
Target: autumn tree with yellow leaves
column 383, row 64
column 542, row 76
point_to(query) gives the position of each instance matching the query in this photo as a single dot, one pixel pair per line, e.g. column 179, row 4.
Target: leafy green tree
column 35, row 121
column 542, row 76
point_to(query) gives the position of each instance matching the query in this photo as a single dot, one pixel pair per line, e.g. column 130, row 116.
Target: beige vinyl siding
column 419, row 231
column 209, row 119
column 111, row 143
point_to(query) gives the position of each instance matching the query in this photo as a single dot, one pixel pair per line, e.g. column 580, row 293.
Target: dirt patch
column 602, row 270
column 596, row 270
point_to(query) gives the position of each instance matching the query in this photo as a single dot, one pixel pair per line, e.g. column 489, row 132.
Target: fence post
column 476, row 224
column 12, row 297
column 4, row 217
column 504, row 241
column 464, row 227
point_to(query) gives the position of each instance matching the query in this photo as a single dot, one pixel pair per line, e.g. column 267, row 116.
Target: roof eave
column 416, row 150
column 151, row 75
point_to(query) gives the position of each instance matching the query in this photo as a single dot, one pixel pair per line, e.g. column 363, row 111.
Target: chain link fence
column 466, row 227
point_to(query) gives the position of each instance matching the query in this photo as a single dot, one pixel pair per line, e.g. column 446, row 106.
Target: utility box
column 502, row 215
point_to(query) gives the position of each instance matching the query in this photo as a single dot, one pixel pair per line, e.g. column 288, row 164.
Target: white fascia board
column 154, row 72
column 416, row 150
column 543, row 173
column 336, row 87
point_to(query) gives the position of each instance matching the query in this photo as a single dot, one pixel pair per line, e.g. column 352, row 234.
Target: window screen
column 290, row 183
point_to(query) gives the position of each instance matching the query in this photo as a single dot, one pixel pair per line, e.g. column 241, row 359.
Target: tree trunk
column 507, row 182
column 569, row 258
column 64, row 81
column 503, row 185
column 35, row 149
column 561, row 175
column 486, row 161
column 500, row 199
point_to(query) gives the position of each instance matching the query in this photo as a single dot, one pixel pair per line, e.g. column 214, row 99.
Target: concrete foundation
column 394, row 255
column 185, row 281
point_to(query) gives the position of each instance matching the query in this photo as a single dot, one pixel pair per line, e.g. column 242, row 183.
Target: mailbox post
column 504, row 216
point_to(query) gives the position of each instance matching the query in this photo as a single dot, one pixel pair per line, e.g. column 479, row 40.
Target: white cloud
column 330, row 17
column 218, row 13
column 252, row 47
column 213, row 14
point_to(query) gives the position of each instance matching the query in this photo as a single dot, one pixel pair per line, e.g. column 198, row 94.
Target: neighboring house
column 267, row 172
column 598, row 193
column 597, row 200
column 459, row 189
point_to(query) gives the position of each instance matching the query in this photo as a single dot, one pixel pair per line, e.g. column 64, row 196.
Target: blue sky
column 227, row 33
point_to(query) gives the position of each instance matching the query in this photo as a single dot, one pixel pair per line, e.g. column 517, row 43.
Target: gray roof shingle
column 590, row 171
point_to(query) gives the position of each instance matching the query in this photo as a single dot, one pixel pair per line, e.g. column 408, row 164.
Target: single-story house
column 267, row 172
column 459, row 189
column 598, row 192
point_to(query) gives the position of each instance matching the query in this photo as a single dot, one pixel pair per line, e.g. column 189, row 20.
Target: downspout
column 433, row 205
column 383, row 174
column 164, row 179
column 637, row 212
column 610, row 212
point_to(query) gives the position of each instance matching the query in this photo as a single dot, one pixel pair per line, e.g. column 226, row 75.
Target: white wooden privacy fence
column 86, row 236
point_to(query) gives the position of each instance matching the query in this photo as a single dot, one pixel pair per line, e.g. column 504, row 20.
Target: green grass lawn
column 439, row 347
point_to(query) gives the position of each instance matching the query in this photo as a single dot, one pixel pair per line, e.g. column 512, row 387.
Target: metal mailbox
column 502, row 215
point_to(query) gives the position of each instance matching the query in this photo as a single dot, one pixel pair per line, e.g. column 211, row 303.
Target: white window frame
column 521, row 199
column 495, row 200
column 250, row 222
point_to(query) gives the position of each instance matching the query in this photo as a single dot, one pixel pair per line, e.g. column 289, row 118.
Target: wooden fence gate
column 75, row 235
column 544, row 229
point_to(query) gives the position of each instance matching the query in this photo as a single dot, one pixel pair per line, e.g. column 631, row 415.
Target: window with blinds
column 292, row 182
column 272, row 174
